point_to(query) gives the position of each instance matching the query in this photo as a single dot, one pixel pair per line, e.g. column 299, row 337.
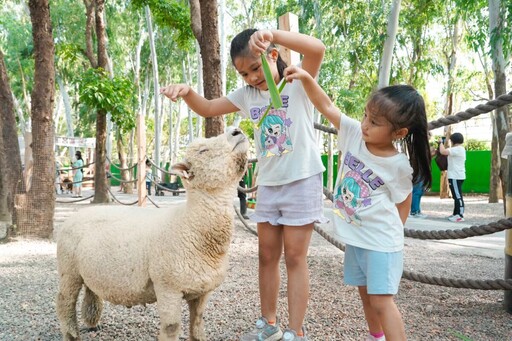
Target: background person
column 78, row 175
column 418, row 190
column 149, row 176
column 456, row 173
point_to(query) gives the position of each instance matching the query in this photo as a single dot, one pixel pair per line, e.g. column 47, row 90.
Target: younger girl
column 290, row 168
column 372, row 196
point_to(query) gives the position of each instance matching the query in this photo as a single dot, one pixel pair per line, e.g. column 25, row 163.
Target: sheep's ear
column 181, row 169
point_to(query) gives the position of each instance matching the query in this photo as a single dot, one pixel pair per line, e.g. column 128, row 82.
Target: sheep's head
column 214, row 163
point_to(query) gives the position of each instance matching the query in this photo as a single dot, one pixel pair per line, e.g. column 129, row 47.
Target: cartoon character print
column 351, row 195
column 274, row 134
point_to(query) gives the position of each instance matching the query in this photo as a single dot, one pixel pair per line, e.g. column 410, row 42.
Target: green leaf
column 281, row 87
column 272, row 87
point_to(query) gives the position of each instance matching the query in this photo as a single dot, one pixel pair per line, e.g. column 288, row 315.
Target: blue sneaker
column 264, row 331
column 291, row 335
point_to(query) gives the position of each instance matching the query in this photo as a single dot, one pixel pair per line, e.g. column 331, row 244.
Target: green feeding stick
column 275, row 93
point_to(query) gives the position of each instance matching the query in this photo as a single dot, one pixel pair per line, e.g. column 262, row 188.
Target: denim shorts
column 295, row 204
column 379, row 271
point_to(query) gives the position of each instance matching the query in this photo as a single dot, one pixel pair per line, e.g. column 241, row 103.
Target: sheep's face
column 214, row 163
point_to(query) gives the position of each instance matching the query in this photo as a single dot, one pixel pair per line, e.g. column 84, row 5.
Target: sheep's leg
column 169, row 309
column 92, row 306
column 69, row 288
column 196, row 307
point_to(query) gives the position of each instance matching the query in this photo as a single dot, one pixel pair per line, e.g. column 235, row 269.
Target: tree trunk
column 199, row 124
column 125, row 174
column 204, row 25
column 387, row 54
column 496, row 24
column 495, row 163
column 35, row 210
column 10, row 161
column 101, row 194
column 68, row 112
column 154, row 63
column 448, row 107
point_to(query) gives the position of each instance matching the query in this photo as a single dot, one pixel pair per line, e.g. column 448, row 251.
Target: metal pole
column 507, row 152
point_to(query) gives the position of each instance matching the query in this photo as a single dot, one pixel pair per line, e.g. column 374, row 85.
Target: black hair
column 78, row 155
column 404, row 107
column 457, row 138
column 240, row 48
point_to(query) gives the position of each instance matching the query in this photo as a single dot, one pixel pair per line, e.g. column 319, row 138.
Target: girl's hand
column 174, row 91
column 259, row 41
column 295, row 72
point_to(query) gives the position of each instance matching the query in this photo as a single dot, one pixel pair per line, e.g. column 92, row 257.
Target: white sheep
column 130, row 256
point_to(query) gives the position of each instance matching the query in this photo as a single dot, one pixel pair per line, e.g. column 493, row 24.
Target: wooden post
column 507, row 151
column 141, row 161
column 289, row 22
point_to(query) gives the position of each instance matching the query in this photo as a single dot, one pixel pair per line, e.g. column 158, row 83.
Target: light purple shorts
column 295, row 204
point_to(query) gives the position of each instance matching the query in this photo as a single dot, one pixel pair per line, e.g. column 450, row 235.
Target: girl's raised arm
column 315, row 93
column 200, row 105
column 311, row 48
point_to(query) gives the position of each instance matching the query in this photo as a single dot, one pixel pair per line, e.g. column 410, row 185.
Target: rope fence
column 75, row 168
column 119, row 168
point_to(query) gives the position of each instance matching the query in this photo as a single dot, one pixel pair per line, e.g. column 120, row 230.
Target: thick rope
column 73, row 201
column 467, row 114
column 73, row 168
column 151, row 201
column 244, row 222
column 497, row 284
column 247, row 190
column 472, row 112
column 167, row 189
column 120, row 202
column 121, row 169
column 161, row 169
column 472, row 231
column 121, row 180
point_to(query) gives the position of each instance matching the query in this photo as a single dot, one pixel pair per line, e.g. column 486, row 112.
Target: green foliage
column 172, row 14
column 247, row 127
column 472, row 144
column 97, row 91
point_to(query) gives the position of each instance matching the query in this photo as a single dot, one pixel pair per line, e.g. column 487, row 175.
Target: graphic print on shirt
column 274, row 134
column 356, row 184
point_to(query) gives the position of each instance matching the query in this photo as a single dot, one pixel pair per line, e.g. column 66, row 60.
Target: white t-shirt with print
column 457, row 163
column 368, row 187
column 286, row 145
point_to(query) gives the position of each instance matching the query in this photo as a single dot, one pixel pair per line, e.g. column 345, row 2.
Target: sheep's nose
column 236, row 132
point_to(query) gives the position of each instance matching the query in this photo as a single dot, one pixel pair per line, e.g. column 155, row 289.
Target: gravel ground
column 28, row 278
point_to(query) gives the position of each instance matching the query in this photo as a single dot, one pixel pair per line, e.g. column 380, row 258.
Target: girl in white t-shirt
column 290, row 198
column 372, row 196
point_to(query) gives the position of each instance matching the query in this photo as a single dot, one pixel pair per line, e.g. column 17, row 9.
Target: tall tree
column 203, row 14
column 100, row 178
column 389, row 44
column 10, row 162
column 497, row 25
column 35, row 214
